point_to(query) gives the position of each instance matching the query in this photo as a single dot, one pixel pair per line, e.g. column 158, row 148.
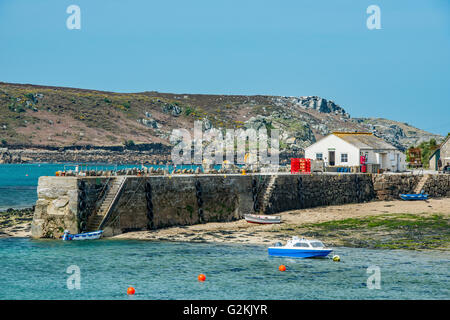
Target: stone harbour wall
column 389, row 186
column 306, row 191
column 438, row 185
column 56, row 208
column 179, row 201
column 153, row 202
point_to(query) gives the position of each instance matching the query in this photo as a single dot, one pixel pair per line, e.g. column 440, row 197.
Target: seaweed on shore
column 393, row 231
column 13, row 217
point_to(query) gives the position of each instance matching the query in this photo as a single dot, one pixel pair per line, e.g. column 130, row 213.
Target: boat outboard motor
column 66, row 235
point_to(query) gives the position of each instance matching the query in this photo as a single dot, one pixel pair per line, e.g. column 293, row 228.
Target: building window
column 319, row 156
column 344, row 157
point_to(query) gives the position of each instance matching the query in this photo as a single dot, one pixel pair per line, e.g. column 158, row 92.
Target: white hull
column 262, row 219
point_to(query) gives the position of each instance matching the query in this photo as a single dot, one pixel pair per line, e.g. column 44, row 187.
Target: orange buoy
column 131, row 291
column 282, row 267
column 201, row 277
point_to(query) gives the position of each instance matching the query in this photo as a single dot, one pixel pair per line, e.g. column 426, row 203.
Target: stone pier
column 153, row 202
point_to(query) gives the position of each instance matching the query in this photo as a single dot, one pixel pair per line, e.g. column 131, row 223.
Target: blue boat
column 300, row 248
column 419, row 196
column 82, row 236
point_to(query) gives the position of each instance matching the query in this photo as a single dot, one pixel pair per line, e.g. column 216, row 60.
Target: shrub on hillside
column 129, row 143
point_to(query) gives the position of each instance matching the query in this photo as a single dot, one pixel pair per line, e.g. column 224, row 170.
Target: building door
column 384, row 164
column 331, row 160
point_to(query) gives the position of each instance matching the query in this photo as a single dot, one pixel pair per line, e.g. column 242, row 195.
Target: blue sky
column 286, row 47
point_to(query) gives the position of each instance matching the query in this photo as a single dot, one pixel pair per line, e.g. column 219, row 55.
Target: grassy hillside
column 54, row 116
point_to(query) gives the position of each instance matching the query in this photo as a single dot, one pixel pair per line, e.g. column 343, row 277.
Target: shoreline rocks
column 16, row 222
column 18, row 156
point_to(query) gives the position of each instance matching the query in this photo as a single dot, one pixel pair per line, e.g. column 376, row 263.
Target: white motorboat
column 300, row 248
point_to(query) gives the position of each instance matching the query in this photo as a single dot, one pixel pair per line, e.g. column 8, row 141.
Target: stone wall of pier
column 306, row 191
column 159, row 202
column 389, row 186
column 438, row 185
column 56, row 208
column 153, row 202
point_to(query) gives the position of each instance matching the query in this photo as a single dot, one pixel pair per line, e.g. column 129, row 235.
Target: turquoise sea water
column 18, row 182
column 34, row 269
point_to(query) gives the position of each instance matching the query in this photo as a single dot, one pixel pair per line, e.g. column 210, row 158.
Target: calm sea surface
column 33, row 269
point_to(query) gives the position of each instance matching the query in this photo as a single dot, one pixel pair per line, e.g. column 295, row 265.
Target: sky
column 286, row 47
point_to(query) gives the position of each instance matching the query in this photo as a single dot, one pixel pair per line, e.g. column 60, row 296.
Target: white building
column 344, row 149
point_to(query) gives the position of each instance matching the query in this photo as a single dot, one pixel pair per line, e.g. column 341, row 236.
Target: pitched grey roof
column 445, row 141
column 364, row 140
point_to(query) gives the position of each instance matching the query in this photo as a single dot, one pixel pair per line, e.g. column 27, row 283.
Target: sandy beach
column 307, row 222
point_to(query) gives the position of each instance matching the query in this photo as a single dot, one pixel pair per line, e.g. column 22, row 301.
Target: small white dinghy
column 82, row 236
column 262, row 219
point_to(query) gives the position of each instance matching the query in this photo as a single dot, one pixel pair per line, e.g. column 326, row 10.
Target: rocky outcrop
column 295, row 134
column 7, row 157
column 258, row 122
column 400, row 135
column 172, row 109
column 313, row 103
column 152, row 123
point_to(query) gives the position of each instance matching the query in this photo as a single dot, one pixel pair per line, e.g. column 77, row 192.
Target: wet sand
column 296, row 222
column 16, row 223
column 22, row 230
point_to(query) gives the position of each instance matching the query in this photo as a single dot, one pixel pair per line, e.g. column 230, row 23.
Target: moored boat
column 262, row 219
column 300, row 248
column 82, row 236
